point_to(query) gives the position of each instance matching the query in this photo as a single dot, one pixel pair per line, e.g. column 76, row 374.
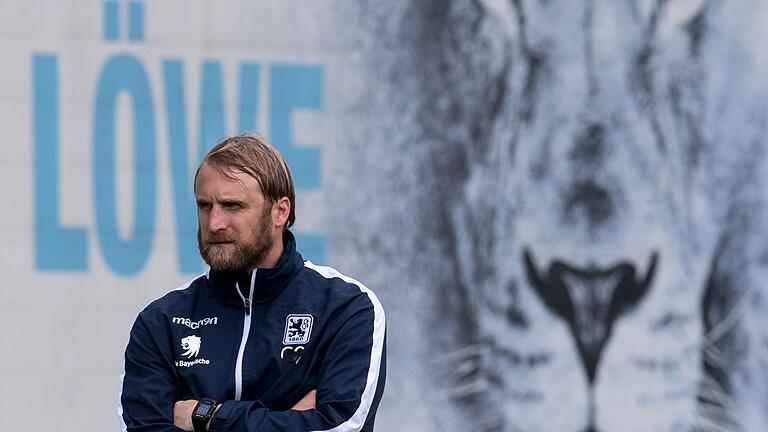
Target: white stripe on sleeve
column 356, row 422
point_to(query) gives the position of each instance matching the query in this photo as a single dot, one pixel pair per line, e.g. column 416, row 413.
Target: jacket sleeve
column 148, row 389
column 350, row 384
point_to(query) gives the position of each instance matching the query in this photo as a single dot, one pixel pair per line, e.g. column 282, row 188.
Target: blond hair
column 253, row 155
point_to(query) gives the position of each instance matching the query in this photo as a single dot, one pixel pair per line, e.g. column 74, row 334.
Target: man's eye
column 203, row 206
column 232, row 206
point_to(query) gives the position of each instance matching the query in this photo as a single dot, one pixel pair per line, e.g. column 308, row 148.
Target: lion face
column 584, row 199
column 191, row 346
column 581, row 213
column 587, row 274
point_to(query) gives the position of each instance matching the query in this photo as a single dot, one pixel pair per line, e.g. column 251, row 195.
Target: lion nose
column 588, row 196
column 589, row 149
column 588, row 201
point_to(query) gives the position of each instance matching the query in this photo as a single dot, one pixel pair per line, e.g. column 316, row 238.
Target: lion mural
column 580, row 186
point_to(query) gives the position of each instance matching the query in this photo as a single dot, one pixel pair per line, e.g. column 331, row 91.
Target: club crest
column 297, row 329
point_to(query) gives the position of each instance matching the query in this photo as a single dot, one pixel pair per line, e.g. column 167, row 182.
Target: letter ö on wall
column 124, row 73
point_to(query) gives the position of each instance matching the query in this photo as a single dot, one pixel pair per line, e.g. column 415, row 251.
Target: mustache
column 209, row 237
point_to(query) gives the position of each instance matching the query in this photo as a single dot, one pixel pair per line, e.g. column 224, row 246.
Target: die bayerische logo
column 191, row 346
column 298, row 328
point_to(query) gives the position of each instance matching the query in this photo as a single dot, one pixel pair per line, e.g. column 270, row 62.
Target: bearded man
column 264, row 340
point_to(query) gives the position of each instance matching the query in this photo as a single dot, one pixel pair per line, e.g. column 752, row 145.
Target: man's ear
column 281, row 209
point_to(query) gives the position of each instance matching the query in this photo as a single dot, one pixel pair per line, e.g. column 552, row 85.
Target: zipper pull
column 247, row 304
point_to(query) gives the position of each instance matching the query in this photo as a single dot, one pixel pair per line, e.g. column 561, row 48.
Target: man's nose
column 218, row 219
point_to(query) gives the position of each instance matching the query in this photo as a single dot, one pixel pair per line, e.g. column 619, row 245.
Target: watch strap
column 200, row 420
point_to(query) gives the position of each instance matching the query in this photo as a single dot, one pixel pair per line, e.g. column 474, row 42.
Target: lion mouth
column 590, row 299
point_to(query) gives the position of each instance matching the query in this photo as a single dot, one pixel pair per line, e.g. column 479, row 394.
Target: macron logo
column 194, row 325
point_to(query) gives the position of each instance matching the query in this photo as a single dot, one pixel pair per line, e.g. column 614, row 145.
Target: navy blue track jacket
column 258, row 343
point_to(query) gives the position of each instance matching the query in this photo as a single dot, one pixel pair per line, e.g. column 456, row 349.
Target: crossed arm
column 182, row 410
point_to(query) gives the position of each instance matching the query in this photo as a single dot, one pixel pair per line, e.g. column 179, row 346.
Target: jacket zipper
column 247, row 304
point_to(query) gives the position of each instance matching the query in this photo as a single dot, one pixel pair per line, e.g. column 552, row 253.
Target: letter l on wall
column 57, row 248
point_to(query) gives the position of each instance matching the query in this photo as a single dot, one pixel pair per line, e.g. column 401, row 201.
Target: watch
column 202, row 414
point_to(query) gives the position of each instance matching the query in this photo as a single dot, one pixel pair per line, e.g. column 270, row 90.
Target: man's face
column 235, row 225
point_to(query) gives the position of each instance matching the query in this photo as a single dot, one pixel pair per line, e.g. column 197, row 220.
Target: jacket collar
column 268, row 283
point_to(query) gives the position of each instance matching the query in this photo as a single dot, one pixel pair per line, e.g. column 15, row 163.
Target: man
column 263, row 341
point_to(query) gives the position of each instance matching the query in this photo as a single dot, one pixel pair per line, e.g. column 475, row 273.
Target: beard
column 245, row 252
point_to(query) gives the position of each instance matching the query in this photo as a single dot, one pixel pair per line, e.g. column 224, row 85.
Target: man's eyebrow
column 223, row 201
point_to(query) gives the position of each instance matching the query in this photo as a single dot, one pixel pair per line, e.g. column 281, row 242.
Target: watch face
column 203, row 409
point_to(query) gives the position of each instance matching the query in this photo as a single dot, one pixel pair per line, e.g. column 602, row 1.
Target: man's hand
column 182, row 414
column 307, row 402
